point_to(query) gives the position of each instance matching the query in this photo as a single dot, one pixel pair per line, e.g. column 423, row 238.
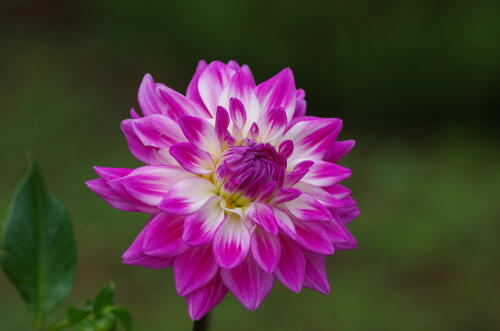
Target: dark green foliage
column 39, row 249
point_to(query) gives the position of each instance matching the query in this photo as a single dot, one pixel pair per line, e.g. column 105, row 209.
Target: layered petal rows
column 242, row 187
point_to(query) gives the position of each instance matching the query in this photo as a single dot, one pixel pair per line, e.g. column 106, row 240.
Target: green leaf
column 75, row 315
column 39, row 249
column 105, row 297
column 124, row 316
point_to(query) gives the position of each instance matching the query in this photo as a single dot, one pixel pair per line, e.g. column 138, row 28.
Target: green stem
column 201, row 324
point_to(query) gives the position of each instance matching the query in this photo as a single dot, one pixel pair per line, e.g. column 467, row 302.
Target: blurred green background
column 417, row 83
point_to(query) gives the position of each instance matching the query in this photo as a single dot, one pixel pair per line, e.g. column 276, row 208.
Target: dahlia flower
column 242, row 187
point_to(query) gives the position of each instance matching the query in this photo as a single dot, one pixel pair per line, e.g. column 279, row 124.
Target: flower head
column 243, row 188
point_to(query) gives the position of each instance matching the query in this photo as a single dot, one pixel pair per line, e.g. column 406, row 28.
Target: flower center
column 247, row 170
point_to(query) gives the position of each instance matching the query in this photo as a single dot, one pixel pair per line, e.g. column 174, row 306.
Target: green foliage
column 99, row 314
column 39, row 249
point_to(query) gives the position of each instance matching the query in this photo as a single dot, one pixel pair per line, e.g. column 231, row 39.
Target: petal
column 100, row 187
column 292, row 265
column 241, row 87
column 341, row 237
column 324, row 173
column 179, row 105
column 338, row 149
column 312, row 236
column 262, row 215
column 311, row 137
column 192, row 158
column 203, row 300
column 298, row 172
column 231, row 242
column 316, row 277
column 157, row 131
column 307, row 208
column 200, row 227
column 221, row 124
column 211, row 83
column 192, row 92
column 286, row 148
column 338, row 191
column 266, row 250
column 201, row 134
column 187, row 196
column 286, row 194
column 134, row 255
column 248, row 282
column 273, row 124
column 323, row 196
column 149, row 184
column 301, row 104
column 278, row 91
column 149, row 99
column 111, row 173
column 164, row 237
column 285, row 223
column 194, row 269
column 148, row 140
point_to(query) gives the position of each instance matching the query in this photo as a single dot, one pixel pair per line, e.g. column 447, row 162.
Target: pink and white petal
column 231, row 242
column 285, row 223
column 187, row 196
column 201, row 134
column 298, row 172
column 285, row 194
column 316, row 278
column 311, row 137
column 248, row 282
column 192, row 158
column 221, row 124
column 179, row 105
column 241, row 87
column 192, row 92
column 278, row 91
column 338, row 149
column 204, row 299
column 285, row 149
column 148, row 154
column 324, row 173
column 338, row 191
column 292, row 265
column 117, row 187
column 194, row 269
column 262, row 214
column 272, row 124
column 323, row 196
column 157, row 131
column 306, row 208
column 134, row 255
column 111, row 173
column 211, row 83
column 164, row 237
column 200, row 227
column 136, row 147
column 266, row 250
column 312, row 236
column 340, row 236
column 149, row 99
column 301, row 104
column 149, row 184
column 100, row 187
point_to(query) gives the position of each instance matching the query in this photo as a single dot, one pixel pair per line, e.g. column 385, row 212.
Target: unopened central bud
column 249, row 170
